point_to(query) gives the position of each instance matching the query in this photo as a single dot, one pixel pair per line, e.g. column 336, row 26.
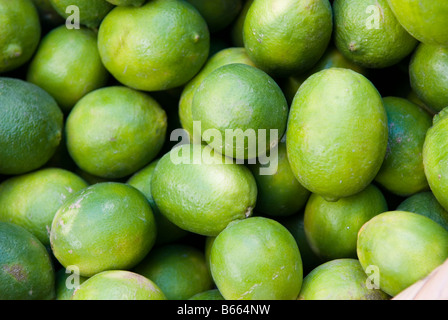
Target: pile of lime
column 222, row 149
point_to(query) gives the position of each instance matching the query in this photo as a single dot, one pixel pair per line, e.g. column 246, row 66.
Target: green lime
column 20, row 33
column 337, row 133
column 118, row 285
column 66, row 283
column 67, row 65
column 196, row 189
column 91, row 12
column 287, row 37
column 237, row 26
column 221, row 58
column 241, row 110
column 428, row 75
column 31, row 200
column 279, row 192
column 367, row 33
column 150, row 58
column 402, row 171
column 331, row 228
column 30, row 127
column 26, row 270
column 107, row 226
column 256, row 259
column 402, row 248
column 179, row 270
column 424, row 19
column 135, row 3
column 113, row 132
column 166, row 230
column 339, row 279
column 212, row 294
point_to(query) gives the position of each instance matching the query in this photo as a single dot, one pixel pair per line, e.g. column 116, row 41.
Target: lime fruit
column 404, row 246
column 26, row 270
column 331, row 228
column 67, row 65
column 150, row 58
column 20, row 33
column 337, row 133
column 107, row 226
column 256, row 259
column 31, row 200
column 221, row 58
column 287, row 37
column 339, row 279
column 66, row 284
column 135, row 3
column 91, row 12
column 402, row 171
column 196, row 189
column 424, row 19
column 428, row 71
column 237, row 26
column 113, row 132
column 118, row 285
column 30, row 129
column 367, row 33
column 212, row 294
column 178, row 270
column 241, row 109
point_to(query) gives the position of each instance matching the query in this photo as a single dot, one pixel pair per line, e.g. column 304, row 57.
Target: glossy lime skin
column 112, row 132
column 424, row 19
column 67, row 65
column 26, row 269
column 337, row 133
column 279, row 192
column 118, row 285
column 246, row 102
column 31, row 200
column 202, row 195
column 218, row 13
column 369, row 45
column 20, row 34
column 256, row 259
column 135, row 3
column 107, row 226
column 402, row 171
column 213, row 294
column 404, row 246
column 287, row 37
column 331, row 228
column 426, row 204
column 154, row 59
column 91, row 12
column 428, row 75
column 179, row 270
column 166, row 230
column 65, row 285
column 221, row 58
column 339, row 279
column 30, row 127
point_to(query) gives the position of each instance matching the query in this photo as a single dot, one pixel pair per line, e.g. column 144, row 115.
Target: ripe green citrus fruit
column 238, row 24
column 178, row 270
column 404, row 246
column 107, row 226
column 30, row 126
column 424, row 19
column 67, row 65
column 31, row 200
column 402, row 171
column 367, row 33
column 118, row 285
column 241, row 109
column 196, row 189
column 91, row 12
column 212, row 294
column 337, row 133
column 150, row 58
column 26, row 270
column 256, row 259
column 428, row 75
column 287, row 37
column 113, row 132
column 66, row 285
column 339, row 279
column 20, row 33
column 135, row 3
column 331, row 228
